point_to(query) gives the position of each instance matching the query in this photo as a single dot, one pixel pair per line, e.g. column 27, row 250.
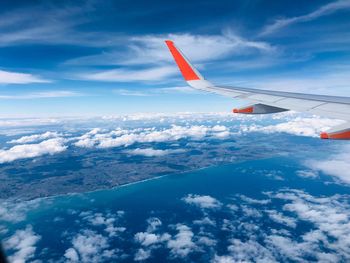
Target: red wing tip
column 244, row 110
column 324, row 135
column 188, row 72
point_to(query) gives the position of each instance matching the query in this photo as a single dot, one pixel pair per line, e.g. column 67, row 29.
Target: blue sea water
column 243, row 194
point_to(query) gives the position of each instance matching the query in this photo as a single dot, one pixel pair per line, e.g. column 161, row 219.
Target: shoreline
column 38, row 199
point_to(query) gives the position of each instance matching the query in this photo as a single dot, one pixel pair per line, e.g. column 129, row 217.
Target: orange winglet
column 244, row 110
column 185, row 68
column 324, row 135
column 344, row 135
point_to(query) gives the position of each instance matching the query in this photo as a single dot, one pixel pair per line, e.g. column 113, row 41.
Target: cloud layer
column 50, row 146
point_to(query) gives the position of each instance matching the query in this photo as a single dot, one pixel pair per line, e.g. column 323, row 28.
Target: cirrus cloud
column 7, row 77
column 324, row 10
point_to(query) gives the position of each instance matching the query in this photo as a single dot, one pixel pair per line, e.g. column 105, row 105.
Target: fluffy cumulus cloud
column 150, row 152
column 336, row 165
column 246, row 251
column 11, row 211
column 122, row 137
column 23, row 243
column 150, row 239
column 302, row 126
column 331, row 219
column 50, row 146
column 176, row 127
column 282, row 219
column 202, row 201
column 259, row 230
column 326, row 240
column 89, row 246
column 182, row 243
column 142, row 254
column 254, row 201
column 109, row 221
column 147, row 239
column 35, row 137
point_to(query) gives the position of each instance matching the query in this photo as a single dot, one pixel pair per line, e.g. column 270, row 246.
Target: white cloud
column 131, row 92
column 90, row 138
column 222, row 132
column 326, row 240
column 12, row 211
column 202, row 201
column 29, row 122
column 182, row 244
column 23, row 243
column 251, row 211
column 146, row 239
column 245, row 251
column 35, row 137
column 109, row 221
column 282, row 219
column 150, row 240
column 41, row 95
column 223, row 259
column 336, row 165
column 120, row 137
column 307, row 174
column 330, row 217
column 196, row 47
column 7, row 77
column 250, row 250
column 206, row 241
column 324, row 10
column 89, row 246
column 150, row 152
column 71, row 255
column 153, row 224
column 50, row 146
column 146, row 49
column 289, row 248
column 179, row 89
column 301, row 126
column 204, row 221
column 155, row 91
column 142, row 254
column 254, row 201
column 131, row 75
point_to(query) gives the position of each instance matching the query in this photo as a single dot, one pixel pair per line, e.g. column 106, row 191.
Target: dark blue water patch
column 57, row 221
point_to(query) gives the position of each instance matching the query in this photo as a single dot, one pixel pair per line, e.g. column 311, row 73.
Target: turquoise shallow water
column 60, row 220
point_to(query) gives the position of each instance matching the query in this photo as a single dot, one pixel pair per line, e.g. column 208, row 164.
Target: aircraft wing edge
column 267, row 101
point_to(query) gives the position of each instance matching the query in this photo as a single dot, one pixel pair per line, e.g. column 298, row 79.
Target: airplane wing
column 268, row 101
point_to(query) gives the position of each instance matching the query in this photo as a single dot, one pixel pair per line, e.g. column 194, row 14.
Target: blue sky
column 76, row 58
